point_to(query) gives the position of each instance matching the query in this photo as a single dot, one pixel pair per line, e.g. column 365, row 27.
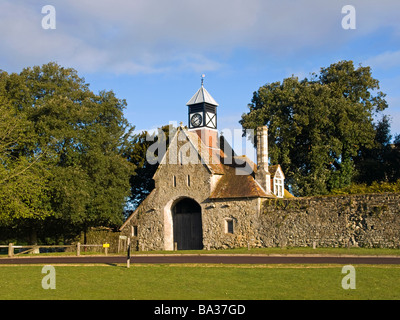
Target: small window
column 174, row 181
column 278, row 188
column 180, row 158
column 229, row 225
column 188, row 181
column 134, row 231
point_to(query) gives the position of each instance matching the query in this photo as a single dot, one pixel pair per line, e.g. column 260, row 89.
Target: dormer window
column 277, row 181
column 278, row 187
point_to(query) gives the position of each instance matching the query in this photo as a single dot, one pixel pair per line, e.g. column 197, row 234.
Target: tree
column 23, row 179
column 82, row 137
column 382, row 161
column 317, row 126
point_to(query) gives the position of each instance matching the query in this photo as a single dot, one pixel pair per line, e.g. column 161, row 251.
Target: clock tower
column 202, row 116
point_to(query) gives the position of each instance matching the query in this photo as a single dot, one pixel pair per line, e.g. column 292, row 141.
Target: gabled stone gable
column 228, row 195
column 174, row 181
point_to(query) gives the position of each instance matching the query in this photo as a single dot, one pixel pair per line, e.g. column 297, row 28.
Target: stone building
column 205, row 196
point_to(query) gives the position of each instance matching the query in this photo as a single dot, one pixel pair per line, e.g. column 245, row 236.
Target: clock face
column 196, row 120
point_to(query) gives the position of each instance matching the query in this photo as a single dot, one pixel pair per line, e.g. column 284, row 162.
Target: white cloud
column 150, row 36
column 394, row 112
column 385, row 60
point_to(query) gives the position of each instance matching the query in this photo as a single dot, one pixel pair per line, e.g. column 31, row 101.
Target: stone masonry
column 366, row 220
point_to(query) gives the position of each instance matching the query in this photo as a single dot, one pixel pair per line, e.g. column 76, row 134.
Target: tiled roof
column 237, row 179
column 235, row 185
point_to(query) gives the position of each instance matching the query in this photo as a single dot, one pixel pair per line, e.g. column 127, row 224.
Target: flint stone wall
column 367, row 220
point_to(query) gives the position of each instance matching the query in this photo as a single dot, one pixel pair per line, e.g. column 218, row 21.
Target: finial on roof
column 202, row 96
column 202, row 79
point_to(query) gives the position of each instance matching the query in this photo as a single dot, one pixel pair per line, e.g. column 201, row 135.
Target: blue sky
column 153, row 52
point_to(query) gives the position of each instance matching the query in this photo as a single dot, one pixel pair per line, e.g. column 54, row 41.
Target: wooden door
column 187, row 224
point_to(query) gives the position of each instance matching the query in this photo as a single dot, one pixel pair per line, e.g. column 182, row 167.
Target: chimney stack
column 262, row 147
column 263, row 176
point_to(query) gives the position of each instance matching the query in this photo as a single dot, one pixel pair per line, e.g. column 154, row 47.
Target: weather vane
column 202, row 79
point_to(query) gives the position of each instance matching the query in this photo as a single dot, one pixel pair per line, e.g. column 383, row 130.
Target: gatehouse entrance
column 187, row 225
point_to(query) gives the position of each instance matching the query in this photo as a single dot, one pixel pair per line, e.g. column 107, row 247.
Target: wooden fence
column 35, row 248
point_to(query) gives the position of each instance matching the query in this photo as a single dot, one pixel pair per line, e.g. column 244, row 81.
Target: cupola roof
column 202, row 96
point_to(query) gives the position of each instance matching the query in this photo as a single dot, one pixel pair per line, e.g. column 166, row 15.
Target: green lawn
column 286, row 250
column 170, row 282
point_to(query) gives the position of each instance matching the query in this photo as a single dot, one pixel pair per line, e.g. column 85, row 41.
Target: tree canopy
column 61, row 150
column 318, row 126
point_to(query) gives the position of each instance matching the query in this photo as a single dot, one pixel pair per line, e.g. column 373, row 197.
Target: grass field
column 286, row 250
column 205, row 282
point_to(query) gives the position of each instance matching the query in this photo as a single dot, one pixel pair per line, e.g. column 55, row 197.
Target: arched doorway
column 187, row 225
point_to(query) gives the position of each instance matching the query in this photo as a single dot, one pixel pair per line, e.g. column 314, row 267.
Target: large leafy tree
column 23, row 179
column 318, row 125
column 81, row 137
